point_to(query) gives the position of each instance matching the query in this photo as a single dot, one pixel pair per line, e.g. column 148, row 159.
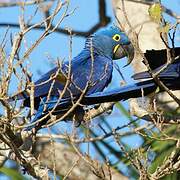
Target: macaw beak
column 121, row 51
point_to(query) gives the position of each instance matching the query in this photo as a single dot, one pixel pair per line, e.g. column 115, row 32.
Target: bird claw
column 79, row 116
column 109, row 111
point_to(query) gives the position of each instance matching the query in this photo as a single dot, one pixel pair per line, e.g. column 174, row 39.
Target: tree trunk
column 148, row 38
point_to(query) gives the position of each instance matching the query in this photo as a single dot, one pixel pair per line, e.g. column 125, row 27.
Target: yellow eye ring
column 116, row 37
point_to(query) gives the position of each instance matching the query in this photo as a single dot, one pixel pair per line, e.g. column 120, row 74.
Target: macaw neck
column 99, row 45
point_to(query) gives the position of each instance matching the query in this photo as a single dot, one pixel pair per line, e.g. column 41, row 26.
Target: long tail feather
column 122, row 93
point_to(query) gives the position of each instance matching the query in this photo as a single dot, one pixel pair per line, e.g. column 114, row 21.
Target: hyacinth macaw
column 156, row 59
column 89, row 72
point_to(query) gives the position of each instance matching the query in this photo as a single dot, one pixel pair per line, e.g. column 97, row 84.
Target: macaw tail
column 123, row 93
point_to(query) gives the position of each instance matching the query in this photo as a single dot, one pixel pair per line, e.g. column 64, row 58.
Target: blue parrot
column 89, row 72
column 156, row 59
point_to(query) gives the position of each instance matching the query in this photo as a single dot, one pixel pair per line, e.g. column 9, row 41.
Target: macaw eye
column 116, row 37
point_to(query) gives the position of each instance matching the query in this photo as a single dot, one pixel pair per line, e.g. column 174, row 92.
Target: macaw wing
column 42, row 87
column 93, row 75
column 60, row 75
column 44, row 84
column 55, row 79
column 96, row 79
column 96, row 74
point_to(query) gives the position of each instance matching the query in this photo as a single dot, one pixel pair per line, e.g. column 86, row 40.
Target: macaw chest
column 91, row 76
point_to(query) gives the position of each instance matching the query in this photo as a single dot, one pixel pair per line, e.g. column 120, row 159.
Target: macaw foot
column 110, row 110
column 96, row 106
column 78, row 117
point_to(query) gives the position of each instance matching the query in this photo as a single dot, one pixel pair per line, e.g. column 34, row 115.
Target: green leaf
column 165, row 28
column 124, row 111
column 160, row 159
column 155, row 12
column 13, row 174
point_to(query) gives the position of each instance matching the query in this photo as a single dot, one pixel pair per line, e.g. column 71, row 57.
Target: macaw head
column 112, row 42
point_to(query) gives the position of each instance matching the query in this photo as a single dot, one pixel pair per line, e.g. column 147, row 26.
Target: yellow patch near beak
column 116, row 48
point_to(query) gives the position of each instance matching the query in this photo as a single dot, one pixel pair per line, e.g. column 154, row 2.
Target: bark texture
column 148, row 38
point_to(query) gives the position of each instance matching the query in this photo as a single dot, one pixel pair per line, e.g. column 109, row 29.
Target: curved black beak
column 124, row 50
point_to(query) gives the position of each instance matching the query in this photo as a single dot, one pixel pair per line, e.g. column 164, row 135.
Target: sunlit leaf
column 124, row 111
column 165, row 28
column 13, row 174
column 160, row 159
column 155, row 12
